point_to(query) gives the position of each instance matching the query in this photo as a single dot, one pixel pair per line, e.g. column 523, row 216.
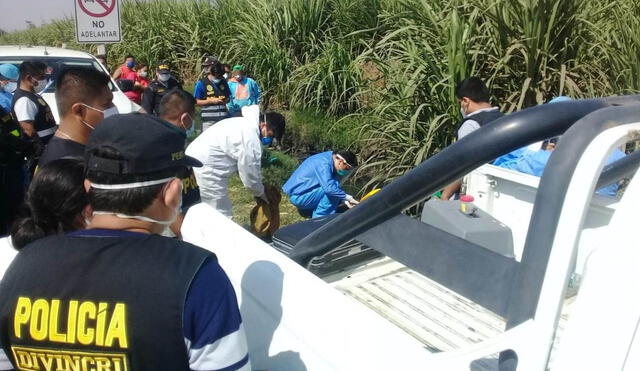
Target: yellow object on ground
column 373, row 192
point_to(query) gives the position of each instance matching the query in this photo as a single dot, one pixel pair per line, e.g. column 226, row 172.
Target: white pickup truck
column 393, row 293
column 56, row 60
column 430, row 300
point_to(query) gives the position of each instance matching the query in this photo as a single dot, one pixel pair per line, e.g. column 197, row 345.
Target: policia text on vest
column 51, row 321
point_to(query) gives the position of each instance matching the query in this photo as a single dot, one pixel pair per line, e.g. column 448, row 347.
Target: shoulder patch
column 209, row 88
column 41, row 101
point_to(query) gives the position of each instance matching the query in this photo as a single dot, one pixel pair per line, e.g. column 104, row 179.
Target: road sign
column 98, row 21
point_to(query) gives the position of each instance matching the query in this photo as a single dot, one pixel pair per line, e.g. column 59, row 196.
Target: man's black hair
column 217, row 69
column 129, row 56
column 79, row 85
column 349, row 156
column 474, row 89
column 276, row 123
column 131, row 201
column 175, row 103
column 31, row 68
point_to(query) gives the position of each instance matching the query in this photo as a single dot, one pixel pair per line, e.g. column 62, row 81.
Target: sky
column 36, row 11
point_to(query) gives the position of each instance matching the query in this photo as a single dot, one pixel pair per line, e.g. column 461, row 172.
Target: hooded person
column 155, row 303
column 314, row 187
column 234, row 145
column 9, row 75
column 244, row 91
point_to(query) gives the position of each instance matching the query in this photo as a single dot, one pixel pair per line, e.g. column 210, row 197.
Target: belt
column 214, row 113
column 47, row 132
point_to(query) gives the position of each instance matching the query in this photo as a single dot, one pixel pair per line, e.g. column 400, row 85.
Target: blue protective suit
column 5, row 100
column 533, row 162
column 314, row 187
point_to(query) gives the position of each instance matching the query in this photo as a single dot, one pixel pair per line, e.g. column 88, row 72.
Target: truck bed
column 436, row 316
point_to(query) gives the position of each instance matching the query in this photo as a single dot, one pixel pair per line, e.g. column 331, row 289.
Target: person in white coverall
column 234, row 145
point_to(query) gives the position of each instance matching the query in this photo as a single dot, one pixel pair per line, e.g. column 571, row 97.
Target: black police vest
column 12, row 146
column 214, row 112
column 103, row 303
column 484, row 117
column 159, row 90
column 44, row 123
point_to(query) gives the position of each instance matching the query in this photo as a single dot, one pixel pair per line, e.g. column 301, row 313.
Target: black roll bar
column 484, row 145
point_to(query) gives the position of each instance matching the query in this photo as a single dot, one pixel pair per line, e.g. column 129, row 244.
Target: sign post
column 98, row 21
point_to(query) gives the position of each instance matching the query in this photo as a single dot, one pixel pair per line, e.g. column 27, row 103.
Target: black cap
column 210, row 60
column 147, row 143
column 163, row 67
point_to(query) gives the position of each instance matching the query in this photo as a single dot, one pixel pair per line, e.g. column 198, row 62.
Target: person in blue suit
column 8, row 84
column 533, row 162
column 314, row 187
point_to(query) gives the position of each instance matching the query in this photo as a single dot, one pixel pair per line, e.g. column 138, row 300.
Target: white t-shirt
column 470, row 125
column 25, row 109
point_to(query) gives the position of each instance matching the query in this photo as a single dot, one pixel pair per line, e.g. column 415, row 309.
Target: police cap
column 146, row 144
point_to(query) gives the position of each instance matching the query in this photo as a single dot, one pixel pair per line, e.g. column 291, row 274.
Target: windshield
column 55, row 65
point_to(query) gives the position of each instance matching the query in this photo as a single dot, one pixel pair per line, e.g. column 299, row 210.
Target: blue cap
column 9, row 71
column 559, row 99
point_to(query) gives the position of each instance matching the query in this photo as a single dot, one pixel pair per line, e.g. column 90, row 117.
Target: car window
column 55, row 65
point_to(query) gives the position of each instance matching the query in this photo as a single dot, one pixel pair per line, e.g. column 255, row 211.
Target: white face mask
column 143, row 74
column 462, row 113
column 11, row 87
column 164, row 77
column 140, row 217
column 143, row 218
column 106, row 113
column 192, row 128
column 40, row 85
column 226, row 76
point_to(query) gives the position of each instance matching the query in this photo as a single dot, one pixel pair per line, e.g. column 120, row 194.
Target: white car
column 56, row 60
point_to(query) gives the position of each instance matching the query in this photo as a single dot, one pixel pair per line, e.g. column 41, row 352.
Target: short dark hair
column 276, row 123
column 131, row 201
column 349, row 157
column 473, row 88
column 31, row 67
column 129, row 56
column 175, row 103
column 79, row 85
column 55, row 199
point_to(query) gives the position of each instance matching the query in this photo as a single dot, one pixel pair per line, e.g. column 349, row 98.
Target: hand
column 351, row 200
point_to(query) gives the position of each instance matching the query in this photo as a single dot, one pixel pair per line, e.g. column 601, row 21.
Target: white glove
column 350, row 201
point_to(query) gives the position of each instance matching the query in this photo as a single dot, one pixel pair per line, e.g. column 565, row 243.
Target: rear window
column 55, row 65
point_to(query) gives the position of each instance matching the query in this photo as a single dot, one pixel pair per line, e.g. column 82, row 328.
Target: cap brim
column 191, row 161
column 164, row 70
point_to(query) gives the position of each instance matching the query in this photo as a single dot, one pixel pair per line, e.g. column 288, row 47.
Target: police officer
column 163, row 82
column 12, row 153
column 118, row 295
column 212, row 93
column 31, row 110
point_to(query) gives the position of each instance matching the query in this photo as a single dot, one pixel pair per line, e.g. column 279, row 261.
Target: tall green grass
column 388, row 66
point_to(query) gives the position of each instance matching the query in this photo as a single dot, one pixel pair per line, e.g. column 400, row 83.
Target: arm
column 147, row 100
column 256, row 92
column 249, row 167
column 449, row 190
column 25, row 111
column 117, row 73
column 213, row 330
column 329, row 183
column 467, row 128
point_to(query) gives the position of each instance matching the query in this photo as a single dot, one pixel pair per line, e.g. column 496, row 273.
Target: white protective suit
column 232, row 145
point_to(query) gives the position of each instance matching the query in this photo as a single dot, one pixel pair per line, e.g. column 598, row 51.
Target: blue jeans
column 316, row 203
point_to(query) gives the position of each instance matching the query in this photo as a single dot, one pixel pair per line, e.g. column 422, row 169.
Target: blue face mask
column 130, row 64
column 266, row 141
column 343, row 172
